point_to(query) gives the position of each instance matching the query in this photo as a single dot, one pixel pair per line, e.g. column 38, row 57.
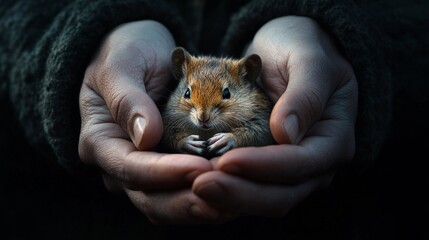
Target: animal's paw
column 192, row 145
column 220, row 143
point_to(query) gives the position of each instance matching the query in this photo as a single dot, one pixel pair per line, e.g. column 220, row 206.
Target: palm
column 315, row 95
column 121, row 123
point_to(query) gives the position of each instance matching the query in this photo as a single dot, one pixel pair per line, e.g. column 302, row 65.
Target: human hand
column 315, row 93
column 119, row 117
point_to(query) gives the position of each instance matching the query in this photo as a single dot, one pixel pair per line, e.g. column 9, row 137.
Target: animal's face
column 212, row 90
column 207, row 95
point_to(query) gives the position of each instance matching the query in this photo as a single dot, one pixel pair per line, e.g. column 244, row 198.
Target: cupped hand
column 121, row 124
column 315, row 93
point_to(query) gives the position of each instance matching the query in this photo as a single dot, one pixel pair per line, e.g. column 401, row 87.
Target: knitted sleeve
column 45, row 48
column 359, row 41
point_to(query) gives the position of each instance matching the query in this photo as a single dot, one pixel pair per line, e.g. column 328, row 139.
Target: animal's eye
column 187, row 94
column 226, row 94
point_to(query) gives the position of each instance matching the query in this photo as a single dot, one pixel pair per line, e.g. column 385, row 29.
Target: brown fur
column 245, row 114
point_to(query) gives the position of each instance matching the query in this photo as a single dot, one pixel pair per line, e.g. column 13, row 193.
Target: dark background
column 39, row 200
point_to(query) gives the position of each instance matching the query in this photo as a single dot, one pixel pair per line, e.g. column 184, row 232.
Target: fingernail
column 138, row 130
column 290, row 126
column 211, row 191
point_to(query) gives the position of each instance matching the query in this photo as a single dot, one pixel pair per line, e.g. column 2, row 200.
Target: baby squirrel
column 217, row 105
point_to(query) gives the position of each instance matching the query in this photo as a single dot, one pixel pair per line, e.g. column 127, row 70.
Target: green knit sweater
column 45, row 47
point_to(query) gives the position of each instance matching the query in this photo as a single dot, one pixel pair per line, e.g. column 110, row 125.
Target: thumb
column 135, row 111
column 300, row 105
column 144, row 123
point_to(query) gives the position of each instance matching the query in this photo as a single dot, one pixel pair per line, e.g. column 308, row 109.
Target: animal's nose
column 203, row 118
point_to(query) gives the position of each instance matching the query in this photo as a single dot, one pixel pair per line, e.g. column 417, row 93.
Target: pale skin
column 127, row 76
column 313, row 121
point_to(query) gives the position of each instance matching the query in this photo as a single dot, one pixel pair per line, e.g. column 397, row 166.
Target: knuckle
column 151, row 214
column 111, row 184
column 102, row 72
column 82, row 150
column 315, row 58
column 312, row 105
column 313, row 99
column 138, row 180
column 84, row 147
column 89, row 143
column 119, row 169
column 90, row 73
column 119, row 107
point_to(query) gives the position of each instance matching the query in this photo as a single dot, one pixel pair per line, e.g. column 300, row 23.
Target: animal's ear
column 251, row 67
column 179, row 59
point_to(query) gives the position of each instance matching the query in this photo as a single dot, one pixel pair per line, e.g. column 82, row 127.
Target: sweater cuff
column 360, row 43
column 77, row 32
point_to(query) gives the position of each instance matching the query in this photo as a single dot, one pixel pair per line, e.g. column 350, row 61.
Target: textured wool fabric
column 50, row 47
column 45, row 56
column 361, row 44
column 45, row 47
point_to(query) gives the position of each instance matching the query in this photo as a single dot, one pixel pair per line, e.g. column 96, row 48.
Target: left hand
column 313, row 120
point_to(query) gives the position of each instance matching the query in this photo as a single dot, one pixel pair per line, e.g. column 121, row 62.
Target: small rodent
column 216, row 106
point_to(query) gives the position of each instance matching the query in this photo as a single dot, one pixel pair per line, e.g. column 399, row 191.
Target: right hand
column 119, row 118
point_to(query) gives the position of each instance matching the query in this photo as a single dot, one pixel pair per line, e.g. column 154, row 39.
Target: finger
column 112, row 184
column 302, row 104
column 214, row 139
column 130, row 77
column 241, row 196
column 179, row 207
column 150, row 170
column 328, row 144
column 103, row 143
column 199, row 144
column 138, row 169
column 214, row 161
column 135, row 111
